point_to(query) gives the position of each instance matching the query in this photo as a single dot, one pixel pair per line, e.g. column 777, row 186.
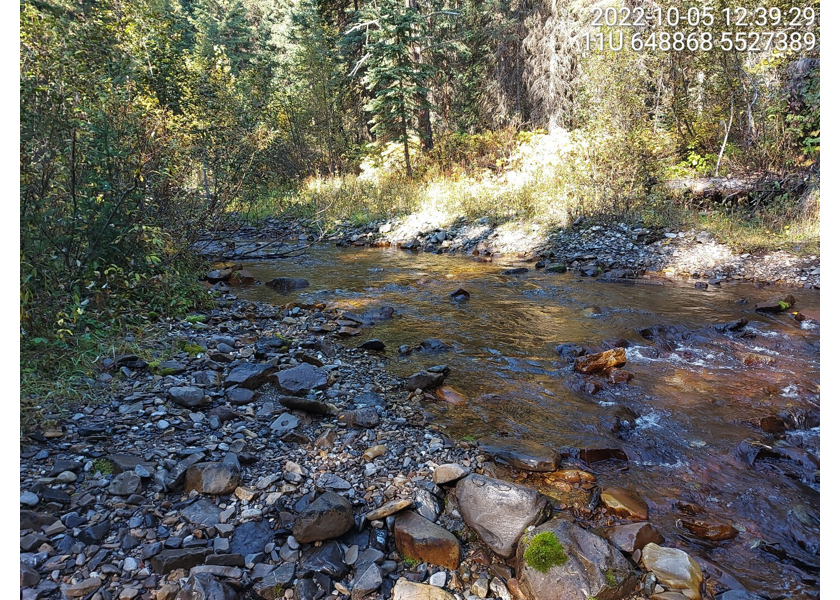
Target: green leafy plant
column 410, row 562
column 610, row 578
column 545, row 551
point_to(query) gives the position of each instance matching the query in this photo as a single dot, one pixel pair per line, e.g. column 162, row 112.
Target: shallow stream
column 696, row 399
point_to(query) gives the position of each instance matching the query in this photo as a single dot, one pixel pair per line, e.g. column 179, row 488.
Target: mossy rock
column 556, row 269
column 196, row 319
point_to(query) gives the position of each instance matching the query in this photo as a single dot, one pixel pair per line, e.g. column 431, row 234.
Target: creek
column 697, row 397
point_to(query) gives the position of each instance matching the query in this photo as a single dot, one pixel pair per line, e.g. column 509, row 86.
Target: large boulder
column 522, row 454
column 499, row 511
column 419, row 538
column 592, row 567
column 329, row 516
column 301, row 379
column 674, row 569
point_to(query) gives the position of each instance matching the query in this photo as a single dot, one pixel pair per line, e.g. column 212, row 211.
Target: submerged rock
column 522, row 454
column 634, row 536
column 285, row 284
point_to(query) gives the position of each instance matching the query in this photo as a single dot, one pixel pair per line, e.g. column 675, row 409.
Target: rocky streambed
column 274, row 451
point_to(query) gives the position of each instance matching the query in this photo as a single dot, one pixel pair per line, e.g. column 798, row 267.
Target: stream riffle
column 694, row 439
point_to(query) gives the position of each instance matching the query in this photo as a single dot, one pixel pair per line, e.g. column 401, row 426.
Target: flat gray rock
column 301, row 379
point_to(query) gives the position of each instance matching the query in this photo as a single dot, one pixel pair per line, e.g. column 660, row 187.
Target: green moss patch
column 545, row 551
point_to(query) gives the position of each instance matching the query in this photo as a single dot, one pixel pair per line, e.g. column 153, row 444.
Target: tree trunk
column 424, row 119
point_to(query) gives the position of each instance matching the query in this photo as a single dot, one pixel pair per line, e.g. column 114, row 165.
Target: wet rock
column 301, row 379
column 625, row 503
column 285, row 284
column 777, row 305
column 217, row 275
column 448, row 473
column 460, row 295
column 715, row 532
column 329, row 516
column 419, row 538
column 522, row 454
column 211, row 478
column 408, row 590
column 592, row 363
column 450, row 395
column 593, row 568
column 188, row 396
column 424, row 380
column 203, row 586
column 125, row 484
column 732, row 325
column 808, row 315
column 361, row 417
column 374, row 345
column 83, row 588
column 617, row 376
column 250, row 376
column 515, row 271
column 202, row 512
column 273, row 585
column 674, row 568
column 569, row 352
column 327, row 559
column 634, row 536
column 179, row 558
column 499, row 511
column 772, row 424
column 366, row 582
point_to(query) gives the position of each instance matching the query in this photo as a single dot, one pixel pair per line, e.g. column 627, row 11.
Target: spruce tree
column 394, row 72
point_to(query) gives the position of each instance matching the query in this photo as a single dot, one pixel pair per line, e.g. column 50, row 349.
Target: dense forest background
column 146, row 122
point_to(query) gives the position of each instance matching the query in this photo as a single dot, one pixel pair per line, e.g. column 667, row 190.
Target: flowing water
column 696, row 398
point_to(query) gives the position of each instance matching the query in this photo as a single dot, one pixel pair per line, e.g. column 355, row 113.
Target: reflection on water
column 696, row 399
